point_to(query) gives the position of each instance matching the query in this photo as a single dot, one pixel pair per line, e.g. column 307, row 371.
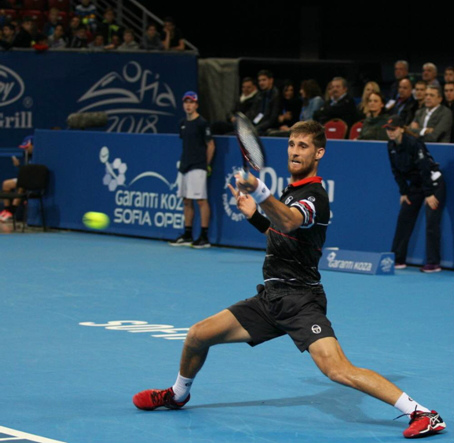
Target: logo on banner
column 161, row 209
column 386, row 264
column 134, row 99
column 228, row 200
column 12, row 89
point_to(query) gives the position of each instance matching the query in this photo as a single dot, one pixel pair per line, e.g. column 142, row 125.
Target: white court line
column 24, row 435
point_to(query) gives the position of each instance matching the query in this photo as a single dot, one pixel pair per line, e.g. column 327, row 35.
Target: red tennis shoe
column 155, row 398
column 424, row 423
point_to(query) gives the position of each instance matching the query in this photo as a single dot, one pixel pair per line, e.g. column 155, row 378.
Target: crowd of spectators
column 83, row 27
column 424, row 102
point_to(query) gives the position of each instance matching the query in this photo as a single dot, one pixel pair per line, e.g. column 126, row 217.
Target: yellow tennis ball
column 96, row 220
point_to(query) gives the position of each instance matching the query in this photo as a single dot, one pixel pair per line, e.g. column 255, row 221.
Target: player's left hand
column 248, row 185
column 432, row 202
column 245, row 203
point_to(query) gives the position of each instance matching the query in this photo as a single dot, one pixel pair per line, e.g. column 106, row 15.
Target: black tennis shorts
column 301, row 315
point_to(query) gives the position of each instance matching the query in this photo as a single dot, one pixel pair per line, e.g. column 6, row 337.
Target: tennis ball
column 96, row 220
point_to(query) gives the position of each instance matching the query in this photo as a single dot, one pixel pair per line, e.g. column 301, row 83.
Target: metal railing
column 131, row 14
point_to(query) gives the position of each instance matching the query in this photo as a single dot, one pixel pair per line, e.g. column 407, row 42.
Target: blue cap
column 26, row 142
column 190, row 95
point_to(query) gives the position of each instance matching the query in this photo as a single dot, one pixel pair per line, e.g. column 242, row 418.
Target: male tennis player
column 292, row 300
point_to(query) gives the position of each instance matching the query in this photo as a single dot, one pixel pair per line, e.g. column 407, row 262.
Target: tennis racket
column 251, row 146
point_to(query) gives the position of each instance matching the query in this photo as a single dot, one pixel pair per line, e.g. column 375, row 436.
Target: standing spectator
column 151, row 41
column 376, row 117
column 342, row 105
column 449, row 103
column 172, row 37
column 405, row 105
column 420, row 182
column 198, row 151
column 266, row 108
column 429, row 74
column 87, row 11
column 311, row 95
column 129, row 43
column 57, row 39
column 433, row 122
column 24, row 38
column 109, row 27
column 369, row 87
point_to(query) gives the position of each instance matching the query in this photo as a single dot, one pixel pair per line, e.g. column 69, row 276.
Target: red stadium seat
column 62, row 5
column 10, row 14
column 355, row 130
column 36, row 16
column 36, row 5
column 336, row 129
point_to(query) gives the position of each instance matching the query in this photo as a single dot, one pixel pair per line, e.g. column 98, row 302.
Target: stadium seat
column 355, row 130
column 10, row 14
column 35, row 15
column 37, row 5
column 62, row 5
column 33, row 179
column 336, row 128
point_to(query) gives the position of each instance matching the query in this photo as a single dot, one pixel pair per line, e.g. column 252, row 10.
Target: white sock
column 182, row 387
column 407, row 405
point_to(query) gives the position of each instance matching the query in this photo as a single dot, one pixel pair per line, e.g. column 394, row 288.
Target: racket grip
column 244, row 174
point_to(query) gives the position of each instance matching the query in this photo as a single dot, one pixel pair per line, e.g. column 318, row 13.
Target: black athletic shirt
column 195, row 135
column 291, row 260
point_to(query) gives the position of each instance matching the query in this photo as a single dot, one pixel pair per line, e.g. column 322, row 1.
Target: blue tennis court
column 88, row 320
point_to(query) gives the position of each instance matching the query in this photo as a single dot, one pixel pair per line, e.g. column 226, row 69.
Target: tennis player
column 292, row 300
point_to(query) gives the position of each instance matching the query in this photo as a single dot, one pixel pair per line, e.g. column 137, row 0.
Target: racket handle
column 244, row 174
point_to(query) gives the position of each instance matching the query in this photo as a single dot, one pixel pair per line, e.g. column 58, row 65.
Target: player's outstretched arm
column 284, row 218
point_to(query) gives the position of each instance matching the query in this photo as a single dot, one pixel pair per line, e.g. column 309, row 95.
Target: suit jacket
column 440, row 121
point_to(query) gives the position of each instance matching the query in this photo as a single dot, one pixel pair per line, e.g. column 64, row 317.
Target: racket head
column 251, row 146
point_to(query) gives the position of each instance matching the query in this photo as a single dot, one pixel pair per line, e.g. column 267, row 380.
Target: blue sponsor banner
column 141, row 92
column 132, row 178
column 360, row 262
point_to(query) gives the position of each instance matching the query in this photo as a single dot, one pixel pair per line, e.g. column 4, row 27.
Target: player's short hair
column 310, row 127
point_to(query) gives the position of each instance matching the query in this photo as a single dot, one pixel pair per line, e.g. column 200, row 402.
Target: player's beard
column 306, row 168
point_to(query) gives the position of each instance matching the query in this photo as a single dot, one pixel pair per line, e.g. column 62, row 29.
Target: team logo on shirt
column 289, row 199
column 316, row 329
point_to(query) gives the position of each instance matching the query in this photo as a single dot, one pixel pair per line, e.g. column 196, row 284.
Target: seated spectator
column 362, row 105
column 449, row 102
column 86, row 10
column 10, row 184
column 52, row 21
column 8, row 34
column 114, row 44
column 401, row 70
column 376, row 118
column 290, row 106
column 449, row 74
column 74, row 24
column 129, row 43
column 342, row 105
column 405, row 105
column 311, row 95
column 429, row 74
column 433, row 122
column 80, row 39
column 328, row 89
column 109, row 27
column 152, row 39
column 244, row 104
column 57, row 40
column 26, row 34
column 172, row 37
column 419, row 93
column 266, row 108
column 98, row 43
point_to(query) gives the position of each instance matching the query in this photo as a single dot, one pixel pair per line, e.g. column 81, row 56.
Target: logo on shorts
column 316, row 329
